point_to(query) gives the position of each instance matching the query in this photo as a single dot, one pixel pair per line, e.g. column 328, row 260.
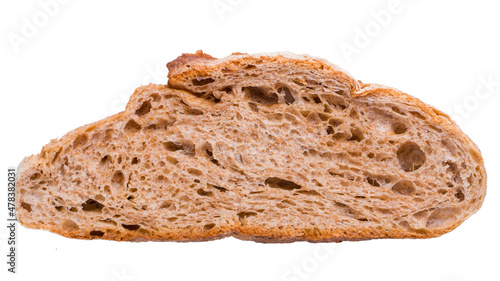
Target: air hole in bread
column 453, row 169
column 289, row 202
column 186, row 146
column 299, row 81
column 242, row 216
column 135, row 160
column 330, row 130
column 202, row 192
column 132, row 126
column 165, row 205
column 105, row 160
column 194, row 172
column 260, row 95
column 460, row 195
column 35, row 176
column 161, row 124
column 334, row 122
column 70, row 225
column 327, row 108
column 97, row 233
column 312, row 82
column 372, row 181
column 253, row 106
column 353, row 113
column 202, row 81
column 26, row 206
column 190, row 110
column 219, row 188
column 194, row 111
column 338, row 135
column 58, row 200
column 337, row 102
column 208, row 226
column 156, row 97
column 436, row 129
column 313, row 117
column 384, row 211
column 441, row 217
column 144, row 109
column 209, row 153
column 323, row 117
column 399, row 128
column 92, row 206
column 398, row 110
column 56, row 156
column 287, row 94
column 309, row 192
column 341, row 92
column 316, row 99
column 410, row 157
column 108, row 221
column 305, row 113
column 226, row 70
column 274, row 182
column 131, row 226
column 212, row 98
column 281, row 206
column 108, row 135
column 417, row 114
column 406, row 225
column 172, row 160
column 403, row 187
column 227, row 89
column 106, row 189
column 356, row 135
column 347, row 210
column 118, row 178
column 80, row 141
column 421, row 214
column 59, row 208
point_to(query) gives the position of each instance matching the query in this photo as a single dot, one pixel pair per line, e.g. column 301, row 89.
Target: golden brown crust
column 183, row 61
column 200, row 64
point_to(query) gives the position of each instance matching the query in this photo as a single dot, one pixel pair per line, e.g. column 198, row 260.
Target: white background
column 78, row 61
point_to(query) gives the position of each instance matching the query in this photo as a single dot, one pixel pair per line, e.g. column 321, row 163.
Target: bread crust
column 200, row 64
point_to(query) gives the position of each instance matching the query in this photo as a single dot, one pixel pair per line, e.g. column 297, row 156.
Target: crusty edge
column 446, row 123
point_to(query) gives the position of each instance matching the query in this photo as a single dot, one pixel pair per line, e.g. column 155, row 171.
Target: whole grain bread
column 267, row 147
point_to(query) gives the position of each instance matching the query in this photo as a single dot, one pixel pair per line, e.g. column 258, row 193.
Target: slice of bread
column 267, row 147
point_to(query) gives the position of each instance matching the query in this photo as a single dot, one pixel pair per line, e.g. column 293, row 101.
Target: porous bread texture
column 267, row 147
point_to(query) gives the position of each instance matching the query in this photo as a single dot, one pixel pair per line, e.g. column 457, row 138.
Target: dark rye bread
column 266, row 147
